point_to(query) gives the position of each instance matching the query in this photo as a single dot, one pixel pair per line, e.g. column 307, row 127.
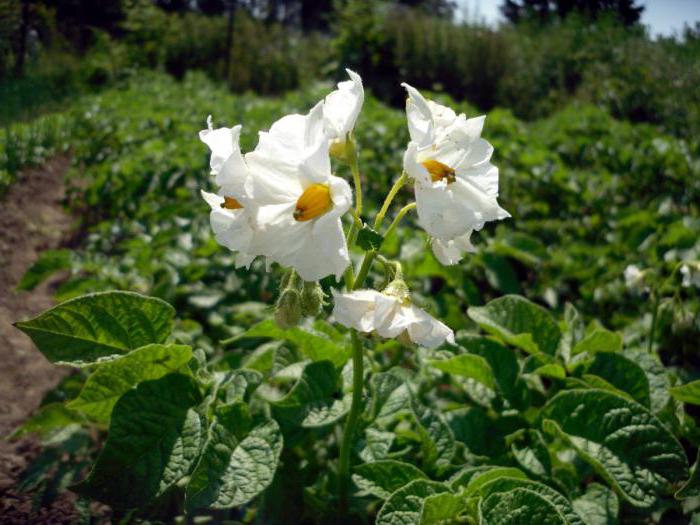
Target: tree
column 627, row 11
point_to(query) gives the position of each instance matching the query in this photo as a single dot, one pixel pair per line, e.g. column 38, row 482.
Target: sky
column 663, row 16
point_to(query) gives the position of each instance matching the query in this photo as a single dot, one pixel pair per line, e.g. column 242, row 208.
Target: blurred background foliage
column 548, row 52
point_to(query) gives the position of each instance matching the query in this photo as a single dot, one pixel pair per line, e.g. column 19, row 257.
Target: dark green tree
column 627, row 11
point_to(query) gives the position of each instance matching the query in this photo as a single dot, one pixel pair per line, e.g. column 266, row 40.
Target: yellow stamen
column 231, row 204
column 315, row 201
column 439, row 171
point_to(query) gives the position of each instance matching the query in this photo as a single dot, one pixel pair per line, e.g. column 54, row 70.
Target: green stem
column 350, row 422
column 657, row 302
column 389, row 198
column 398, row 218
column 370, row 255
column 654, row 316
column 351, row 156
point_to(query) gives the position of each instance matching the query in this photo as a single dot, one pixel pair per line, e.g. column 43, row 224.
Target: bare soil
column 32, row 219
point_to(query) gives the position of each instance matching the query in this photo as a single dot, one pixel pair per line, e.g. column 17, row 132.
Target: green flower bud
column 288, row 308
column 312, row 299
column 338, row 150
column 398, row 288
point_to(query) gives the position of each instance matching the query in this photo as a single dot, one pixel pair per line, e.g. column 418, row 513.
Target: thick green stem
column 350, row 422
column 351, row 157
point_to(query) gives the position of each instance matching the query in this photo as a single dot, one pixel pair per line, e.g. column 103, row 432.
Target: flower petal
column 232, row 228
column 428, row 331
column 355, row 309
column 420, row 118
column 451, row 252
column 342, row 107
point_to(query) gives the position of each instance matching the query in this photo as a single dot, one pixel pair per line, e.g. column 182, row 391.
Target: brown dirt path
column 32, row 219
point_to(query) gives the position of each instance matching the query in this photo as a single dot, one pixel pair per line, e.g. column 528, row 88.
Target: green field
column 562, row 398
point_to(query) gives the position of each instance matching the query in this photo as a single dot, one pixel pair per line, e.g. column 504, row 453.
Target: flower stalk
column 350, row 422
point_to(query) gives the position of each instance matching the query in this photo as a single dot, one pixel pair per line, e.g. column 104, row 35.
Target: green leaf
column 657, row 376
column 376, row 444
column 100, row 325
column 621, row 372
column 154, row 439
column 598, row 506
column 519, row 322
column 473, row 478
column 368, row 239
column 500, row 273
column 481, row 431
column 48, row 263
column 691, row 488
column 688, row 393
column 312, row 400
column 531, row 453
column 438, row 442
column 443, row 509
column 239, row 461
column 113, row 378
column 623, row 442
column 49, row 419
column 574, row 329
column 551, row 370
column 519, row 506
column 236, row 385
column 316, row 346
column 598, row 382
column 505, row 484
column 525, row 248
column 390, row 394
column 600, row 340
column 382, row 478
column 504, row 366
column 467, row 365
column 405, row 506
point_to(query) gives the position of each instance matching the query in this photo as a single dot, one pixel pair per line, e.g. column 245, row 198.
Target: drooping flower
column 390, row 316
column 233, row 211
column 456, row 185
column 299, row 202
column 341, row 109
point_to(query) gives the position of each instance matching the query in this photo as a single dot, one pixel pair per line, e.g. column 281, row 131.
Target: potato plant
column 387, row 384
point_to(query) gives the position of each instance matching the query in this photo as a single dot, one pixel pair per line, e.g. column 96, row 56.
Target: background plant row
column 529, row 68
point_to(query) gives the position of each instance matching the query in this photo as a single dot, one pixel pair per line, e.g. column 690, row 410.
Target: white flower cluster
column 455, row 183
column 282, row 202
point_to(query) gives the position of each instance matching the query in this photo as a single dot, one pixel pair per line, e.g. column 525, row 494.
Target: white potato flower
column 233, row 211
column 299, row 202
column 389, row 316
column 691, row 274
column 634, row 277
column 342, row 107
column 456, row 185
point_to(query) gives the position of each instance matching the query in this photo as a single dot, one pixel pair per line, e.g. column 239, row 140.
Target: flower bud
column 312, row 299
column 338, row 150
column 288, row 308
column 398, row 288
